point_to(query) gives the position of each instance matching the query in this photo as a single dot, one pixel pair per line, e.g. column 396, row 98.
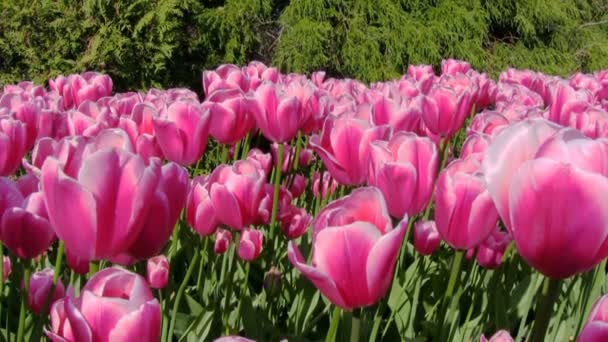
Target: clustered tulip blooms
column 255, row 207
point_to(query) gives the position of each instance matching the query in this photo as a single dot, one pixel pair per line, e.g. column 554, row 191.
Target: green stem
column 228, row 286
column 199, row 278
column 550, row 293
column 333, row 327
column 180, row 293
column 224, row 158
column 454, row 275
column 243, row 293
column 355, row 329
column 237, row 150
column 163, row 306
column 93, row 268
column 246, row 143
column 26, row 287
column 296, row 158
column 277, row 186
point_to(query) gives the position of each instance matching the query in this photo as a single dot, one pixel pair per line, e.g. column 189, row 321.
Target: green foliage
column 144, row 43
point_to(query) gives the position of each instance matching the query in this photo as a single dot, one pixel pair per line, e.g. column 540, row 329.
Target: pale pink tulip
column 444, row 110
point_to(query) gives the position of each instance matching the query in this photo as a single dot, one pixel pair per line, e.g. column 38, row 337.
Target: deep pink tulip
column 250, row 244
column 508, row 151
column 182, row 135
column 490, row 251
column 401, row 114
column 454, row 66
column 464, row 211
column 231, row 119
column 257, row 72
column 13, row 144
column 157, row 271
column 114, row 305
column 40, row 285
column 499, row 336
column 323, row 186
column 100, row 213
column 10, row 195
column 299, row 186
column 223, row 238
column 278, row 115
column 354, row 250
column 596, row 328
column 426, row 237
column 404, row 169
column 344, row 147
column 444, row 110
column 76, row 89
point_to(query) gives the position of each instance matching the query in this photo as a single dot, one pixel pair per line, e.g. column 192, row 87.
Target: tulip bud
column 158, row 271
column 426, row 237
column 40, row 285
column 273, row 281
column 500, row 336
column 6, row 268
column 223, row 238
column 250, row 245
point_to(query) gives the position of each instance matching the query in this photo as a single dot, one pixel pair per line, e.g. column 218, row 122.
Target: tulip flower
column 226, row 76
column 223, row 238
column 100, row 213
column 294, row 221
column 250, row 244
column 404, row 169
column 6, row 268
column 114, row 305
column 454, row 66
column 499, row 336
column 475, row 143
column 13, row 137
column 343, row 146
column 277, row 114
column 490, row 251
column 595, row 328
column 426, row 237
column 157, row 271
column 233, row 339
column 40, row 285
column 464, row 211
column 182, row 135
column 444, row 110
column 199, row 209
column 354, row 250
column 264, row 160
column 230, row 118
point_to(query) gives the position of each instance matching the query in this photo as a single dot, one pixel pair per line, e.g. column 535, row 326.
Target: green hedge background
column 166, row 43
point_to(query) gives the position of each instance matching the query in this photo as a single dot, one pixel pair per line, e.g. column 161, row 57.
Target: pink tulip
column 182, row 136
column 6, row 268
column 40, row 285
column 223, row 237
column 548, row 193
column 464, row 211
column 454, row 66
column 294, row 221
column 323, row 187
column 354, row 250
column 264, row 160
column 199, row 209
column 344, row 147
column 444, row 110
column 298, row 187
column 404, row 169
column 76, row 89
column 250, row 244
column 226, row 76
column 490, row 251
column 257, row 72
column 475, row 143
column 488, row 123
column 278, row 115
column 401, row 114
column 499, row 336
column 100, row 213
column 167, row 203
column 158, row 271
column 233, row 339
column 426, row 237
column 230, row 117
column 114, row 305
column 235, row 192
column 13, row 135
column 595, row 328
column 508, row 151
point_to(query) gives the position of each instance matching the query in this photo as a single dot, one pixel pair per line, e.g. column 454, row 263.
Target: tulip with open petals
column 250, row 244
column 115, row 305
column 354, row 250
column 596, row 328
column 40, row 285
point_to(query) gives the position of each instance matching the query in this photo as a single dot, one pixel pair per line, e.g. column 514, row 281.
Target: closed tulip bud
column 273, row 281
column 230, row 117
column 278, row 115
column 499, row 336
column 250, row 244
column 444, row 110
column 40, row 285
column 490, row 252
column 595, row 328
column 6, row 268
column 426, row 237
column 182, row 135
column 223, row 237
column 358, row 222
column 158, row 271
column 114, row 305
column 298, row 186
column 464, row 211
column 294, row 221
